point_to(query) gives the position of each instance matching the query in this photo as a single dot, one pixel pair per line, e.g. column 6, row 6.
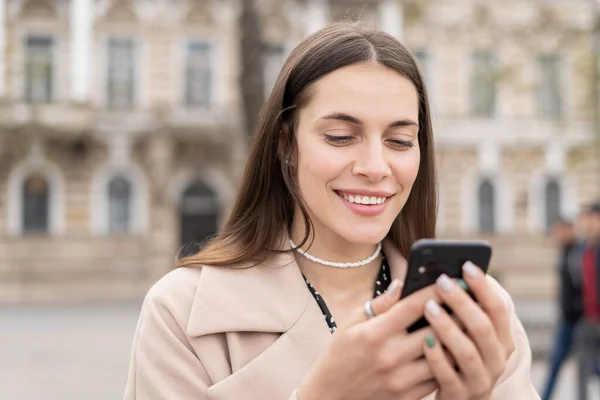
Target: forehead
column 366, row 90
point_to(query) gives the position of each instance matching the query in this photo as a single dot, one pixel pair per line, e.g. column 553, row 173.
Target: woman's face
column 358, row 151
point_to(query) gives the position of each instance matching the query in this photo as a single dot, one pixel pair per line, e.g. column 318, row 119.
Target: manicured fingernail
column 394, row 287
column 433, row 308
column 462, row 284
column 430, row 341
column 470, row 269
column 445, row 283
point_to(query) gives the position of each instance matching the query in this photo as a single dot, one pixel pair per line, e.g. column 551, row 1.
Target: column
column 120, row 149
column 555, row 157
column 3, row 54
column 81, row 42
column 391, row 18
column 317, row 15
column 489, row 156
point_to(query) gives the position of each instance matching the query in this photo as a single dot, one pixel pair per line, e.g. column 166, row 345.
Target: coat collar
column 269, row 297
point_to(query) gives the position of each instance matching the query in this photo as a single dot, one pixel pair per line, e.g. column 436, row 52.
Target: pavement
column 69, row 352
column 65, row 352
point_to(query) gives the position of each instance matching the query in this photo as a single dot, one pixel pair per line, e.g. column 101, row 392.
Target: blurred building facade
column 121, row 138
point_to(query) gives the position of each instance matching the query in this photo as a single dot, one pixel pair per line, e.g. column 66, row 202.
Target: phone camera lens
column 427, row 252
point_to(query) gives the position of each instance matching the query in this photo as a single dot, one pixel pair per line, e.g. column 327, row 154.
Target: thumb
column 379, row 304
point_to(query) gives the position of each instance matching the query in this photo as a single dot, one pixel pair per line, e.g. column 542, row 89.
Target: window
column 423, row 62
column 483, row 84
column 36, row 204
column 121, row 74
column 486, row 206
column 119, row 205
column 274, row 59
column 119, row 200
column 549, row 88
column 552, row 195
column 39, row 69
column 197, row 75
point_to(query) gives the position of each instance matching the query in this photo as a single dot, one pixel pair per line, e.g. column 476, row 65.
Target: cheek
column 406, row 168
column 318, row 168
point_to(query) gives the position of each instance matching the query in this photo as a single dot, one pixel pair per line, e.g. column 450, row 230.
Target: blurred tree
column 252, row 58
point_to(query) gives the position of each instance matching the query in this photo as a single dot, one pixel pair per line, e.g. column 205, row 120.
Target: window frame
column 136, row 74
column 51, row 78
column 15, row 204
column 556, row 109
column 100, row 202
column 474, row 98
column 211, row 73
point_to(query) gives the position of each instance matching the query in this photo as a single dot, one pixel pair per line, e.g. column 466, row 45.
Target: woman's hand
column 375, row 358
column 481, row 350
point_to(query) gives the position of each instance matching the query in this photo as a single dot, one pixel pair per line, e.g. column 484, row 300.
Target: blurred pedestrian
column 563, row 234
column 590, row 332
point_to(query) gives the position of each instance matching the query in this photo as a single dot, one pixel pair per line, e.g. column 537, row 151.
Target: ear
column 281, row 146
column 285, row 147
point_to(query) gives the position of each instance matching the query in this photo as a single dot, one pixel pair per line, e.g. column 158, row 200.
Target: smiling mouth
column 364, row 200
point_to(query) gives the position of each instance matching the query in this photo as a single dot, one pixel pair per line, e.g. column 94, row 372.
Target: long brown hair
column 265, row 203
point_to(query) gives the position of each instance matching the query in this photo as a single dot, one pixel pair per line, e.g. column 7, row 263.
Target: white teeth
column 365, row 199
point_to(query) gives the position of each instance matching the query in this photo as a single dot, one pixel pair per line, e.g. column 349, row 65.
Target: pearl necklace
column 338, row 264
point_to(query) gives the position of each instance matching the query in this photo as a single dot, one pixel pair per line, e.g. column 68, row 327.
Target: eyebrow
column 348, row 118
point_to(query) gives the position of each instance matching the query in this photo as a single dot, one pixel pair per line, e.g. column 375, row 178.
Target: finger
column 408, row 375
column 380, row 304
column 405, row 348
column 446, row 376
column 477, row 323
column 491, row 301
column 406, row 311
column 460, row 346
column 420, row 391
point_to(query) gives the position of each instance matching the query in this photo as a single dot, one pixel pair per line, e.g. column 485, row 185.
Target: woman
column 285, row 302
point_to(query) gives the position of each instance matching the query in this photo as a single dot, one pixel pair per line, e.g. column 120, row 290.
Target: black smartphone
column 430, row 258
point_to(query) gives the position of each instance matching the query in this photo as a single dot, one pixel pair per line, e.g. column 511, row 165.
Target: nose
column 371, row 162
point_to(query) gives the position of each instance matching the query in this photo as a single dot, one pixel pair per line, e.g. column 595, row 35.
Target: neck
column 336, row 280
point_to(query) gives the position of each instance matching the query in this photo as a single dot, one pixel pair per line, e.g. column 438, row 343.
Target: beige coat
column 241, row 334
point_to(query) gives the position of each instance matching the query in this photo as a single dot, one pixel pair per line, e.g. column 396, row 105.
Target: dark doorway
column 36, row 204
column 552, row 198
column 487, row 206
column 198, row 217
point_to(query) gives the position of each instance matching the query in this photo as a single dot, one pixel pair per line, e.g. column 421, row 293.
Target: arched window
column 36, row 205
column 119, row 205
column 198, row 216
column 486, row 199
column 552, row 201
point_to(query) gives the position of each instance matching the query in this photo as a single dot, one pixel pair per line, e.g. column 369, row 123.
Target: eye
column 338, row 140
column 402, row 144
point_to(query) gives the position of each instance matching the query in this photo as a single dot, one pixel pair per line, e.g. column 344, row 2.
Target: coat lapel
column 269, row 297
column 281, row 368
